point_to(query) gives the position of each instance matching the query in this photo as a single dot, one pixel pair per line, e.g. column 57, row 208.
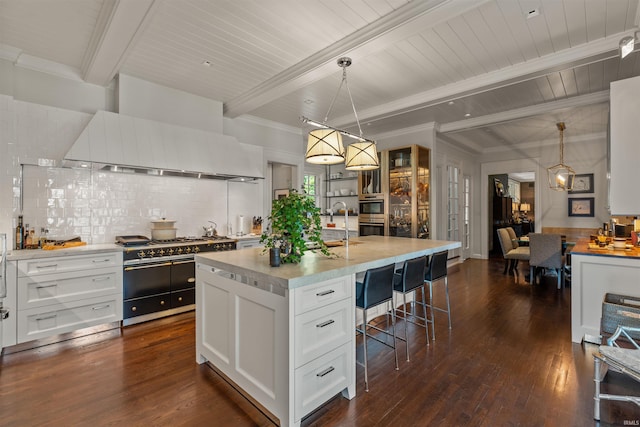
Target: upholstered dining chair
column 375, row 289
column 405, row 281
column 511, row 251
column 546, row 252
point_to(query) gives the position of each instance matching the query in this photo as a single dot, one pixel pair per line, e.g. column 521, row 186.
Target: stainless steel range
column 159, row 276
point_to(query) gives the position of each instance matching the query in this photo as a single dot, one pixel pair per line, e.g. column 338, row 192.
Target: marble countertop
column 362, row 253
column 23, row 254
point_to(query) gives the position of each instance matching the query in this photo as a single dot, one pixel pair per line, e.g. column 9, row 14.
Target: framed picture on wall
column 582, row 184
column 279, row 194
column 581, row 206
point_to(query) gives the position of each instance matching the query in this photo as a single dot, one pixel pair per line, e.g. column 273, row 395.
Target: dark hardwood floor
column 508, row 361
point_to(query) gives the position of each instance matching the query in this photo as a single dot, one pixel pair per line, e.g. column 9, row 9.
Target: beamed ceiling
column 489, row 72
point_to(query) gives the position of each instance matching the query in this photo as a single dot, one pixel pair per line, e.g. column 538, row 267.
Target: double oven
column 159, row 276
column 371, row 217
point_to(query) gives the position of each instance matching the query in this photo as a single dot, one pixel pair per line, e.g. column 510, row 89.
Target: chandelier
column 561, row 176
column 324, row 145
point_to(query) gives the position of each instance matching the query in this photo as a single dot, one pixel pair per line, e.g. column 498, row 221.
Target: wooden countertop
column 362, row 253
column 585, row 247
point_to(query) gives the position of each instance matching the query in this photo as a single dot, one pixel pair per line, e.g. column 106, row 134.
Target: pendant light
column 324, row 145
column 561, row 176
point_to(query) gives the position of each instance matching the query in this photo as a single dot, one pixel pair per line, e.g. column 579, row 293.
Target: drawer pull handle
column 134, row 308
column 180, row 299
column 53, row 316
column 100, row 307
column 95, row 261
column 100, row 279
column 321, row 294
column 161, row 302
column 47, row 266
column 325, row 372
column 327, row 323
column 46, row 286
column 191, row 280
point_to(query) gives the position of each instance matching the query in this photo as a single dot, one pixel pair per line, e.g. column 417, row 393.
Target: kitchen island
column 285, row 335
column 595, row 272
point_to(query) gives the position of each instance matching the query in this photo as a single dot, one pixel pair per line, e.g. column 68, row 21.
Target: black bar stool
column 375, row 289
column 410, row 278
column 437, row 270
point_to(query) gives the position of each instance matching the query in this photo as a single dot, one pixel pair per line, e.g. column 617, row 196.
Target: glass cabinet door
column 409, row 192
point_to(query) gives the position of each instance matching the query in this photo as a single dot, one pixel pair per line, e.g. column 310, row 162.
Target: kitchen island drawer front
column 323, row 329
column 324, row 293
column 146, row 305
column 38, row 291
column 42, row 322
column 321, row 379
column 60, row 264
column 182, row 298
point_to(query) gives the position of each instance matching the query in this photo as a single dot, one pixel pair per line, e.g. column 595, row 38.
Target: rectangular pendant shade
column 324, row 146
column 362, row 156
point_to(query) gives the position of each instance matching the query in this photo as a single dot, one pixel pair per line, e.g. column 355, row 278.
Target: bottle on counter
column 19, row 234
column 27, row 237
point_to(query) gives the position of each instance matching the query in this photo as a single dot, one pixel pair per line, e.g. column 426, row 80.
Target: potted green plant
column 294, row 220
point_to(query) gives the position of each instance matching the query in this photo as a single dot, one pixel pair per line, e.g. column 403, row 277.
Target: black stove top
column 139, row 240
column 140, row 249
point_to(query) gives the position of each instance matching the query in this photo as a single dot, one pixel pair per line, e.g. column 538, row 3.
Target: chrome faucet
column 346, row 219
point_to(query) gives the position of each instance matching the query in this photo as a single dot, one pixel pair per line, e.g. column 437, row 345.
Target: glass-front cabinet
column 408, row 197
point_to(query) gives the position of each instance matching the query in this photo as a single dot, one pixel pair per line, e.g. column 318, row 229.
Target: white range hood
column 125, row 143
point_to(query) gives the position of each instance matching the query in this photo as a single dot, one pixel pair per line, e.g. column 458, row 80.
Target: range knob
column 141, row 254
column 161, row 252
column 187, row 250
column 151, row 252
column 170, row 251
column 196, row 249
column 179, row 251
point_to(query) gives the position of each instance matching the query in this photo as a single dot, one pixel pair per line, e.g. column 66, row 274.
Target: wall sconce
column 627, row 45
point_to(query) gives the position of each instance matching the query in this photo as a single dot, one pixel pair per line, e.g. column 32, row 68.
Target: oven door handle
column 147, row 266
column 184, row 262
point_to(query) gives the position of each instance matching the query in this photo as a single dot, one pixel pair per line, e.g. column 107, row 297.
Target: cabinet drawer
column 323, row 329
column 68, row 263
column 146, row 305
column 323, row 293
column 39, row 291
column 321, row 379
column 41, row 322
column 182, row 298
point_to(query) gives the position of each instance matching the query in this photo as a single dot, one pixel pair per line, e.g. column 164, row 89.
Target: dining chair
column 546, row 252
column 406, row 280
column 512, row 254
column 437, row 270
column 375, row 289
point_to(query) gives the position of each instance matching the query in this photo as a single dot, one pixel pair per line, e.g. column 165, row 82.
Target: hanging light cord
column 561, row 128
column 344, row 63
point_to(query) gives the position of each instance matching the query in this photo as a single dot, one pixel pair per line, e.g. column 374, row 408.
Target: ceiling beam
column 525, row 112
column 589, row 53
column 119, row 26
column 412, row 18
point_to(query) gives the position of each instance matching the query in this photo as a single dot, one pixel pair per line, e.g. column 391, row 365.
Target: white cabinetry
column 625, row 150
column 291, row 350
column 248, row 242
column 62, row 294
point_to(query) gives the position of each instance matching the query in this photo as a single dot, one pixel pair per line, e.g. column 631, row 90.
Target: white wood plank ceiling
column 515, row 67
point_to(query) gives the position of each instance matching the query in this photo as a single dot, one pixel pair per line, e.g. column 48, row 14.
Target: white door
column 453, row 208
column 466, row 217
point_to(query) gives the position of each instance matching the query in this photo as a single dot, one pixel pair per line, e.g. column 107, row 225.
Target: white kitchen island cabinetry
column 59, row 294
column 286, row 335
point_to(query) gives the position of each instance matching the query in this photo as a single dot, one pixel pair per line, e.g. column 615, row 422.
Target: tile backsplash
column 98, row 205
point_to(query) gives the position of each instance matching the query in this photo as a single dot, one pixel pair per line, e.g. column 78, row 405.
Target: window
column 310, row 187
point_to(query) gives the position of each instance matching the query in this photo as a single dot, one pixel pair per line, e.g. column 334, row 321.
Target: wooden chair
column 511, row 251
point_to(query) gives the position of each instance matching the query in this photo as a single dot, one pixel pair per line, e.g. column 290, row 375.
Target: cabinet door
column 625, row 150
